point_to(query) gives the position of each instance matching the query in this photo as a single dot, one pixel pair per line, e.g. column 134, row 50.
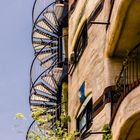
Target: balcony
column 124, row 31
column 128, row 79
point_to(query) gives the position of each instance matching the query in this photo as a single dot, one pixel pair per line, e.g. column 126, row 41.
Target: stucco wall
column 95, row 66
column 92, row 66
column 82, row 11
column 123, row 32
column 124, row 118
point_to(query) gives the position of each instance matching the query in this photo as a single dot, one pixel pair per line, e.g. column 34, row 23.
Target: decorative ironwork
column 129, row 79
column 48, row 66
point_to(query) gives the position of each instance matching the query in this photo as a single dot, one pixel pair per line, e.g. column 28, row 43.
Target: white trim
column 84, row 104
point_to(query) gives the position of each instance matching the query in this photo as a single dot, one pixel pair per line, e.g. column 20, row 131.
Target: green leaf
column 20, row 116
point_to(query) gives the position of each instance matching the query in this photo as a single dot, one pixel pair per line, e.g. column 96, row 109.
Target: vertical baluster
column 137, row 65
column 127, row 77
column 133, row 69
column 138, row 56
column 129, row 69
column 124, row 81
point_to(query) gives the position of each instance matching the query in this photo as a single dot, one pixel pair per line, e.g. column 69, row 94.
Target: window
column 79, row 47
column 84, row 119
column 82, row 92
column 81, row 44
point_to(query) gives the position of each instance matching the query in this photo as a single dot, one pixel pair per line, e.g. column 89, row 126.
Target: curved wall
column 126, row 117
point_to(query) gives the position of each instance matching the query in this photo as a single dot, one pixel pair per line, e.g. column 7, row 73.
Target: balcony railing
column 128, row 79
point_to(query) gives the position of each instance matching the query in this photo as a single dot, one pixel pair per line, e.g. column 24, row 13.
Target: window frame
column 81, row 43
column 88, row 115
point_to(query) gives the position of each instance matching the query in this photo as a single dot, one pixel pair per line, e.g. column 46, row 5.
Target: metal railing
column 47, row 67
column 128, row 79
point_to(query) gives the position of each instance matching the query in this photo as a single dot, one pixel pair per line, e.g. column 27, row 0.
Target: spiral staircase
column 48, row 67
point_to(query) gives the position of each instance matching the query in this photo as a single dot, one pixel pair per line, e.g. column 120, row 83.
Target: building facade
column 104, row 68
column 87, row 65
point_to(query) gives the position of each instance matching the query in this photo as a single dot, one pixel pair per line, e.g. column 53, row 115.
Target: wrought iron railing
column 48, row 66
column 128, row 79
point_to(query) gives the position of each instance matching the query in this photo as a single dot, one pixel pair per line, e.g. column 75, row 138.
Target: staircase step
column 48, row 49
column 42, row 56
column 47, row 110
column 42, row 24
column 45, row 126
column 45, row 95
column 47, row 64
column 48, row 43
column 50, row 15
column 35, row 107
column 37, row 97
column 40, row 35
column 50, row 57
column 50, row 19
column 47, row 86
column 39, row 45
column 51, row 110
column 45, row 48
column 43, row 103
column 59, row 10
column 49, row 25
column 49, row 79
column 41, row 88
column 44, row 87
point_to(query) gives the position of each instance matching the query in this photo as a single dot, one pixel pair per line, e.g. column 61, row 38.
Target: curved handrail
column 33, row 11
column 29, row 129
column 129, row 78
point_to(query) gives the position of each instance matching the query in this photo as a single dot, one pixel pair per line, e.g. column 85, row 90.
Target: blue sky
column 16, row 54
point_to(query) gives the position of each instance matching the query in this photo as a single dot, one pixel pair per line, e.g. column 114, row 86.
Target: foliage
column 20, row 116
column 64, row 97
column 43, row 132
column 106, row 136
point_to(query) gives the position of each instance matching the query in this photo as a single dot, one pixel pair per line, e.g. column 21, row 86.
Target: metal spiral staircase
column 48, row 67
